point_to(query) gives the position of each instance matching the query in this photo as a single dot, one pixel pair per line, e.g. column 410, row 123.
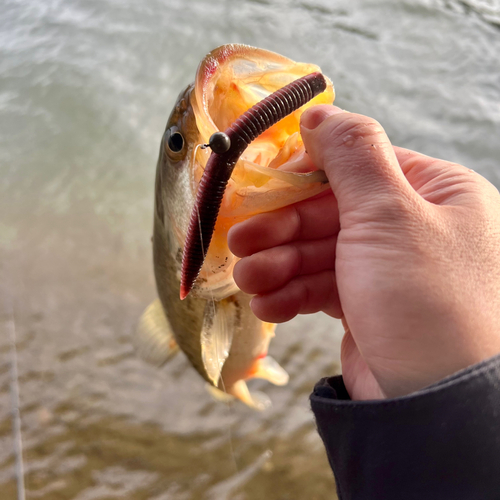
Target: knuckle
column 296, row 260
column 356, row 128
column 304, row 295
column 239, row 273
column 295, row 223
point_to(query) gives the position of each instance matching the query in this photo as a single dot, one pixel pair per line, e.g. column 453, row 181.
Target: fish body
column 214, row 326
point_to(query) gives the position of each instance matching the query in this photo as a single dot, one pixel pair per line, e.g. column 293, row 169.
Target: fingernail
column 316, row 115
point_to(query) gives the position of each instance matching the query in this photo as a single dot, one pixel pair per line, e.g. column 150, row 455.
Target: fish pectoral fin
column 154, row 340
column 269, row 369
column 217, row 394
column 216, row 336
column 256, row 400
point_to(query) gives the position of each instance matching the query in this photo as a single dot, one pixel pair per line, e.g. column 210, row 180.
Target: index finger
column 308, row 220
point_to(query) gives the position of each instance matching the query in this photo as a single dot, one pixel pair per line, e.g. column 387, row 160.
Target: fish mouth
column 257, row 97
column 233, row 78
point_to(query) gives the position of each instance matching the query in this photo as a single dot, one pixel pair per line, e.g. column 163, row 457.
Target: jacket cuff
column 442, row 442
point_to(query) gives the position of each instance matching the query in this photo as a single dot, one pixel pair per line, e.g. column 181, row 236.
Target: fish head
column 173, row 187
column 274, row 170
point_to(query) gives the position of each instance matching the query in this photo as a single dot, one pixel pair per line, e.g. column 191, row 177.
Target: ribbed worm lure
column 227, row 147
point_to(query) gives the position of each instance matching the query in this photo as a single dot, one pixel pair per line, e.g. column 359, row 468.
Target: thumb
column 358, row 159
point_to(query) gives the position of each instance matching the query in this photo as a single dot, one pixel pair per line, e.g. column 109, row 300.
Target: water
column 85, row 90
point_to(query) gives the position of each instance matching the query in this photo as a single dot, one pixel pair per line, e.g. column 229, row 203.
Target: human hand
column 406, row 250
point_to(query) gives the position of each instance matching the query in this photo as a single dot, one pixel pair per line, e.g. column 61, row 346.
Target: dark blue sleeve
column 440, row 443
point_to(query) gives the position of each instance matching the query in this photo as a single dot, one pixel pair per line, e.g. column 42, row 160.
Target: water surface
column 85, row 91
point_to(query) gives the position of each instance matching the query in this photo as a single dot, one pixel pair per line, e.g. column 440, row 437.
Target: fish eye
column 174, row 140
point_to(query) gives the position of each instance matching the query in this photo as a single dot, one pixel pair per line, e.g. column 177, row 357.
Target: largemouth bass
column 214, row 325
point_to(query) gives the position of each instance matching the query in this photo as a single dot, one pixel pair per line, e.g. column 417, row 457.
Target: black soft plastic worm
column 227, row 147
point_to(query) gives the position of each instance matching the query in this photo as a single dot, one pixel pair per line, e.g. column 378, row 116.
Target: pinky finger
column 303, row 295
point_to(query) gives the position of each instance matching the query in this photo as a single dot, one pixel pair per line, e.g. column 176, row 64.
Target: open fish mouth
column 227, row 148
column 256, row 98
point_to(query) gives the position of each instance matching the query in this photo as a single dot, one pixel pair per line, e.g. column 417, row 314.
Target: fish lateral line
column 227, row 147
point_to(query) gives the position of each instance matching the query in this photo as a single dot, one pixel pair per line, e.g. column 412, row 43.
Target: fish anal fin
column 216, row 336
column 269, row 369
column 154, row 340
column 256, row 400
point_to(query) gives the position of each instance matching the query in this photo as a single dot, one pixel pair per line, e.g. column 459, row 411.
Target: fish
column 214, row 325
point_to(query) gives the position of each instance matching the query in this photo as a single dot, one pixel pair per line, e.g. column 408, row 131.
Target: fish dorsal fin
column 154, row 340
column 216, row 336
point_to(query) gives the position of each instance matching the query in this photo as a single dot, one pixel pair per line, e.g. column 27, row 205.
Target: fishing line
column 229, row 431
column 16, row 415
column 228, row 403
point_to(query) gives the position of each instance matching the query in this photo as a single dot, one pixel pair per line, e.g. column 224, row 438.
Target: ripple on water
column 85, row 91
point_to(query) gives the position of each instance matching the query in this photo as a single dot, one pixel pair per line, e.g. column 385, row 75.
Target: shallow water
column 85, row 91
